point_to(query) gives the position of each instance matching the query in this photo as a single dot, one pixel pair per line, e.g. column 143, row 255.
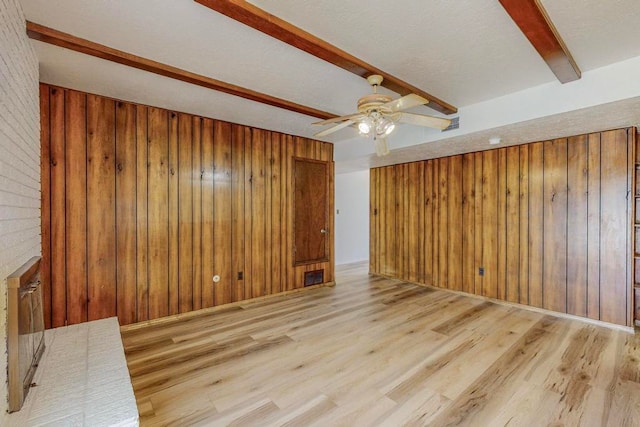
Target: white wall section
column 352, row 217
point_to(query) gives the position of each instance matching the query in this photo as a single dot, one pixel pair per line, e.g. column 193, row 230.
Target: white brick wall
column 19, row 161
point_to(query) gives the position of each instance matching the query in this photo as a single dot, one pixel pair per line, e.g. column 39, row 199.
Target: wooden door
column 310, row 204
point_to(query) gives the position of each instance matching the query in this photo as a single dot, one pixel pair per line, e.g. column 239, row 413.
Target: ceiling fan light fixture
column 388, row 127
column 365, row 125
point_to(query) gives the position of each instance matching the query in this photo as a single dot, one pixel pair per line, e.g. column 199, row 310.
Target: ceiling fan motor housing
column 372, row 102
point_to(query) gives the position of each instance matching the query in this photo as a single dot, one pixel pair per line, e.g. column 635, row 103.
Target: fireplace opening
column 25, row 330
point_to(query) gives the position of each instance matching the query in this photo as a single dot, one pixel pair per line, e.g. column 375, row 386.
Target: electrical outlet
column 481, row 271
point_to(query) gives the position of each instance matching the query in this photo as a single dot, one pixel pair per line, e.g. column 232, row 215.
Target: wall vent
column 455, row 124
column 315, row 277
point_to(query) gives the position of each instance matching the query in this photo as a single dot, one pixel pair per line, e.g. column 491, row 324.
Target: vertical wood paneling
column 468, row 223
column 478, row 228
column 413, row 215
column 577, row 225
column 237, row 212
column 158, row 213
column 208, row 210
column 268, row 214
column 197, row 175
column 614, row 227
column 374, row 187
column 523, row 260
column 390, row 223
column 512, row 225
column 126, row 212
column 248, row 212
column 401, row 221
column 593, row 227
column 142, row 248
column 144, row 206
column 101, row 207
column 536, row 221
column 554, row 276
column 501, row 226
column 454, row 190
column 174, row 213
column 420, row 209
column 186, row 190
column 429, row 235
column 276, row 212
column 45, row 202
column 222, row 214
column 490, row 223
column 258, row 213
column 58, row 209
column 533, row 216
column 76, row 205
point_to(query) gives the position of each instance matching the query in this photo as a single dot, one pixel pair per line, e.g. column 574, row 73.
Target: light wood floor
column 374, row 351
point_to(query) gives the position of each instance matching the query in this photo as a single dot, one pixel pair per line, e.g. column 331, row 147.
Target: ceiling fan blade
column 381, row 146
column 422, row 120
column 408, row 101
column 335, row 128
column 338, row 119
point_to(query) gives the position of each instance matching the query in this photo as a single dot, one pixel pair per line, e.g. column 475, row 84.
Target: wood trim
column 535, row 24
column 277, row 28
column 68, row 41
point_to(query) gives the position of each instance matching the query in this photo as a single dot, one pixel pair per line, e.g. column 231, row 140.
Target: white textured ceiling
column 467, row 52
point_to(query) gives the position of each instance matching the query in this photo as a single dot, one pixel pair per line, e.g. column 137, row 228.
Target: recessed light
column 495, row 140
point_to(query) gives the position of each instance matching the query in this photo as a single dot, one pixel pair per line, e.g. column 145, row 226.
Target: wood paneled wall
column 146, row 205
column 548, row 222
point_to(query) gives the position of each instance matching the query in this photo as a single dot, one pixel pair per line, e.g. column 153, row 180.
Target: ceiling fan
column 378, row 115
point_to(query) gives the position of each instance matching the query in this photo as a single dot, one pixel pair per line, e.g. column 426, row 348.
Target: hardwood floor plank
column 377, row 351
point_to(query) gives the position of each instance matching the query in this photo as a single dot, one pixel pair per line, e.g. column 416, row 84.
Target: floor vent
column 314, row 277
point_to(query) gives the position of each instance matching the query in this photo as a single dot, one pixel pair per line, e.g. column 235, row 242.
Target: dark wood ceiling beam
column 58, row 38
column 533, row 21
column 275, row 27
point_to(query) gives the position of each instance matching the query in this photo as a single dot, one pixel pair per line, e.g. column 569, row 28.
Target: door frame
column 325, row 258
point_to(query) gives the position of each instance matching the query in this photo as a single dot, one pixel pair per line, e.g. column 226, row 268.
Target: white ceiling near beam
column 468, row 53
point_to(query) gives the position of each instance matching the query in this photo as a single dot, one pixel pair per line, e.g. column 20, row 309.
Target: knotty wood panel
column 490, row 223
column 185, row 216
column 512, row 223
column 468, row 218
column 76, row 206
column 555, row 226
column 57, row 222
column 142, row 242
column 454, row 182
column 158, row 214
column 577, row 214
column 126, row 211
column 614, row 228
column 144, row 206
column 523, row 260
column 548, row 221
column 502, row 224
column 197, row 174
column 222, row 222
column 45, row 202
column 208, row 209
column 174, row 215
column 536, row 230
column 101, row 209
